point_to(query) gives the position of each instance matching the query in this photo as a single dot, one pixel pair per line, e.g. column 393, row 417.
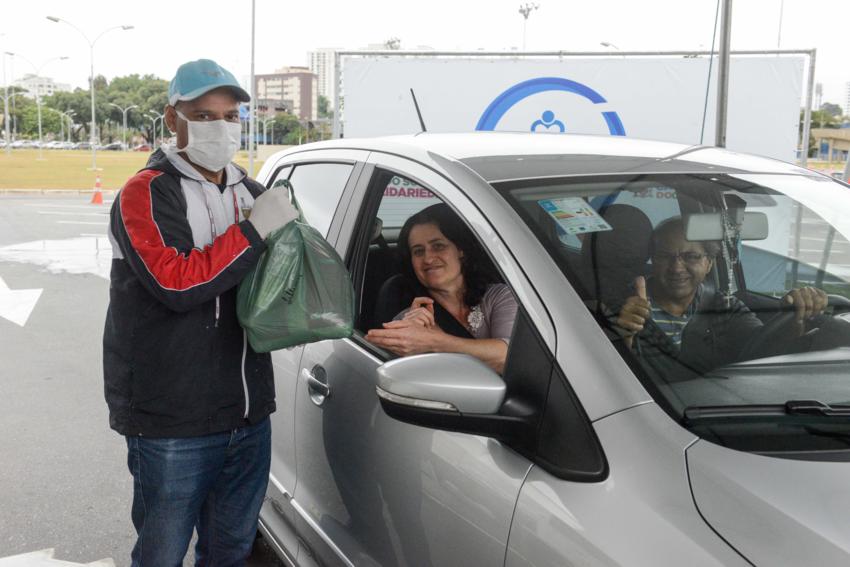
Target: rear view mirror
column 709, row 226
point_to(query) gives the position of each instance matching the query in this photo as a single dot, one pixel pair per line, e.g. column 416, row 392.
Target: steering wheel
column 839, row 303
column 776, row 329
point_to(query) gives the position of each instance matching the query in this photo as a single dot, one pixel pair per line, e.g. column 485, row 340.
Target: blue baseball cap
column 196, row 78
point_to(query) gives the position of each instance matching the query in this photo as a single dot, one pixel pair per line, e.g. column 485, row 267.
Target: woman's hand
column 421, row 312
column 406, row 337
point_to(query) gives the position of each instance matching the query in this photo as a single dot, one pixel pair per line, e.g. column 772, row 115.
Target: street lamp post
column 93, row 133
column 37, row 69
column 6, row 99
column 526, row 9
column 70, row 116
column 252, row 117
column 62, row 117
column 6, row 108
column 153, row 132
column 154, row 117
column 124, row 115
column 14, row 116
column 265, row 130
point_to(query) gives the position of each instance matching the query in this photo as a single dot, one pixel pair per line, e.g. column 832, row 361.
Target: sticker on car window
column 574, row 215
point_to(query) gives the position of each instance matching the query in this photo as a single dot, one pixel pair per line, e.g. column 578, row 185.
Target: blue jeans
column 215, row 483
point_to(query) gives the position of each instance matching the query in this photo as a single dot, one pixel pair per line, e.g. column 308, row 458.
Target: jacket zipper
column 244, row 381
column 217, row 309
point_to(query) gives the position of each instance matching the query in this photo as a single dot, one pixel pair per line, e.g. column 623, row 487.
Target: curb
column 56, row 191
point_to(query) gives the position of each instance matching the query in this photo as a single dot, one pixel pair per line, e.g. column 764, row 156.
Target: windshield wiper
column 803, row 411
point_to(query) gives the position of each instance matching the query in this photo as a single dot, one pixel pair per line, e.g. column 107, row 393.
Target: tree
column 324, row 111
column 832, row 109
column 147, row 92
column 285, row 128
column 77, row 101
column 18, row 109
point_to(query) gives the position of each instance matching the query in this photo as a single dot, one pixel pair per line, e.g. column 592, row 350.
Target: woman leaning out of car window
column 458, row 308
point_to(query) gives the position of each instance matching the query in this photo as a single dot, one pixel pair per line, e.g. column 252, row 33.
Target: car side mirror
column 452, row 392
column 452, row 382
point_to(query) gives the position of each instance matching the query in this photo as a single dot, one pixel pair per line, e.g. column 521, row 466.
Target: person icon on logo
column 547, row 121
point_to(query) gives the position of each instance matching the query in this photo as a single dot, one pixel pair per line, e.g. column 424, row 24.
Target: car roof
column 498, row 156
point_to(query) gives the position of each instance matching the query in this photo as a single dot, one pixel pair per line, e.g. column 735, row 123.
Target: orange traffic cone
column 97, row 197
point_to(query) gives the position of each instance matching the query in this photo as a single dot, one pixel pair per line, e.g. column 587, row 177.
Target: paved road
column 63, row 479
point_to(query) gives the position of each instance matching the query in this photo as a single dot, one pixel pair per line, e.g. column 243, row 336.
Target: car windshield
column 728, row 294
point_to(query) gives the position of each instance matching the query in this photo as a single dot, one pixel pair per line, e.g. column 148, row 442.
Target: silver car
column 588, row 449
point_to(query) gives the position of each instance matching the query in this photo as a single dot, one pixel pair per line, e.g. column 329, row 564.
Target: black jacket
column 176, row 362
column 716, row 335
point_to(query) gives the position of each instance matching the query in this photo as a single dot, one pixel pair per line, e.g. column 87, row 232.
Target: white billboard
column 652, row 98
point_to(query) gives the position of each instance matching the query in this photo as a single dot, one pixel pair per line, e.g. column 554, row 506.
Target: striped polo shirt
column 674, row 325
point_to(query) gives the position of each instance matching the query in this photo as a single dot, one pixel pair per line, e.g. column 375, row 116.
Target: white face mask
column 212, row 144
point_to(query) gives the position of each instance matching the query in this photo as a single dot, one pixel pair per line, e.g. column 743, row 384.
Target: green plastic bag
column 299, row 292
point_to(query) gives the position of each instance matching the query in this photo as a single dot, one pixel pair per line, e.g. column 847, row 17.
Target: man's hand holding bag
column 300, row 290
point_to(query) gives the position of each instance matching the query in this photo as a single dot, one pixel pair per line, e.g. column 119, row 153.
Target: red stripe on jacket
column 171, row 269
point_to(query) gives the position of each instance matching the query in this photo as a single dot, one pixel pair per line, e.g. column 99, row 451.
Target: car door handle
column 316, row 384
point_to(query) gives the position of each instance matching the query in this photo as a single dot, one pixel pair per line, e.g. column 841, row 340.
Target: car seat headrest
column 614, row 258
column 377, row 229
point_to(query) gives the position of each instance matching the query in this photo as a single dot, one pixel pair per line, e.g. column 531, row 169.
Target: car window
column 656, row 201
column 692, row 278
column 528, row 365
column 401, row 199
column 318, row 188
column 805, row 250
column 280, row 173
column 388, row 286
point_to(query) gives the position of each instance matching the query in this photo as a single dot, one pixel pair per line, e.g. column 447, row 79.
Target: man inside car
column 673, row 314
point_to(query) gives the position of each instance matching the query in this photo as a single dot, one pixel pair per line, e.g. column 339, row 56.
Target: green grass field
column 70, row 169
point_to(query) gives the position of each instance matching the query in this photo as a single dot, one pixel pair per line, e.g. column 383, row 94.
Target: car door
column 322, row 182
column 375, row 491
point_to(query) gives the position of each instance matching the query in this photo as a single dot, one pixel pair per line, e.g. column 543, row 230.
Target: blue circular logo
column 505, row 101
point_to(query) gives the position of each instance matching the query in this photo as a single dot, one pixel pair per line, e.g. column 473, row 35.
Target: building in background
column 295, row 88
column 833, row 144
column 321, row 62
column 44, row 86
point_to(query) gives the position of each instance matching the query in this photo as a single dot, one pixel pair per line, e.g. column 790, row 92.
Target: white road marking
column 44, row 558
column 74, row 213
column 49, row 206
column 80, row 255
column 82, row 222
column 17, row 305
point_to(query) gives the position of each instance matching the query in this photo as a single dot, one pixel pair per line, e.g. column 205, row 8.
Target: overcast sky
column 168, row 33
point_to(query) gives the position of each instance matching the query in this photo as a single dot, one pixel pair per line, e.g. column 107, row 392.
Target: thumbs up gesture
column 635, row 311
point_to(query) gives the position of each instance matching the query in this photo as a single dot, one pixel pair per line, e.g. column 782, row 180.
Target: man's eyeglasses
column 689, row 258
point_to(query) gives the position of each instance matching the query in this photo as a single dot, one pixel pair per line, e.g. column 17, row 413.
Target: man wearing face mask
column 182, row 383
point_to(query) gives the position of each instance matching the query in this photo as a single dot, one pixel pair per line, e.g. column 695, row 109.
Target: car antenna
column 418, row 112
